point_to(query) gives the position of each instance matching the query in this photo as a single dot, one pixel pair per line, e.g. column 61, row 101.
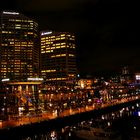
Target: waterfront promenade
column 46, row 116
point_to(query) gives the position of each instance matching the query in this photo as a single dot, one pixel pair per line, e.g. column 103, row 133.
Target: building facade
column 58, row 57
column 19, row 46
column 19, row 62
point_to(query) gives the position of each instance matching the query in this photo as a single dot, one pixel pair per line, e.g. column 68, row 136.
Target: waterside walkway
column 25, row 120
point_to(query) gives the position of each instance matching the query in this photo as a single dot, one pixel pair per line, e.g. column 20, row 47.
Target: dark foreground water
column 126, row 121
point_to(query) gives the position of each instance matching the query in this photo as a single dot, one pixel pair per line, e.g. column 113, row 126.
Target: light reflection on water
column 66, row 133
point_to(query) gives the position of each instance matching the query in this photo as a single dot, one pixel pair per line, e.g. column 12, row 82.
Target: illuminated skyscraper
column 58, row 57
column 19, row 46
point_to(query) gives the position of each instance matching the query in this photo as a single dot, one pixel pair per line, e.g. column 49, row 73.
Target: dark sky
column 107, row 31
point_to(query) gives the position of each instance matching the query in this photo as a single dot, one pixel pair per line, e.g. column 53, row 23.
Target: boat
column 93, row 133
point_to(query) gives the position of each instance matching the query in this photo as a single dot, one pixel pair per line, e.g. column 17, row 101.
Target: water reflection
column 125, row 120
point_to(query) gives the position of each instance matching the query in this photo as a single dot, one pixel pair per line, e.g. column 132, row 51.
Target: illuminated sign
column 46, row 33
column 11, row 13
column 139, row 113
column 137, row 77
column 4, row 80
column 35, row 79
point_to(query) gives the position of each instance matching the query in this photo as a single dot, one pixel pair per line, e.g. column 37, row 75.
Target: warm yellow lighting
column 71, row 75
column 57, row 38
column 52, row 36
column 48, row 70
column 58, row 47
column 62, row 34
column 58, row 55
column 57, row 44
column 49, row 51
column 35, row 79
column 71, row 55
column 63, row 38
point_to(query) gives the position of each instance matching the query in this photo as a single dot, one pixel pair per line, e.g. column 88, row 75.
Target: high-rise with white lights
column 58, row 57
column 19, row 46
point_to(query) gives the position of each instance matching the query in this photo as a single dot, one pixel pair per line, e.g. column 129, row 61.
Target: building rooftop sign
column 46, row 33
column 10, row 13
column 4, row 80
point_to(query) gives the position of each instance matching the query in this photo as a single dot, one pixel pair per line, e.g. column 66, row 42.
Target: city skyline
column 107, row 32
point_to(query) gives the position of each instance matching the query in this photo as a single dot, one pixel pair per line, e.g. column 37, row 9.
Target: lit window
column 43, row 38
column 4, row 31
column 30, row 21
column 57, row 44
column 58, row 47
column 17, row 27
column 57, row 38
column 52, row 36
column 71, row 54
column 18, row 20
column 63, row 46
column 30, row 33
column 63, row 35
column 63, row 43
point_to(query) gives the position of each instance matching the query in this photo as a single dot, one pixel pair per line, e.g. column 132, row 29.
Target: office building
column 19, row 46
column 19, row 62
column 58, row 58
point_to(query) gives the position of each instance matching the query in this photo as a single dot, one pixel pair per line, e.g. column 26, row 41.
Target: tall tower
column 19, row 46
column 58, row 57
column 125, row 70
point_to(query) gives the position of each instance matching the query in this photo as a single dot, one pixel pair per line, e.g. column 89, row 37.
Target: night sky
column 107, row 31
